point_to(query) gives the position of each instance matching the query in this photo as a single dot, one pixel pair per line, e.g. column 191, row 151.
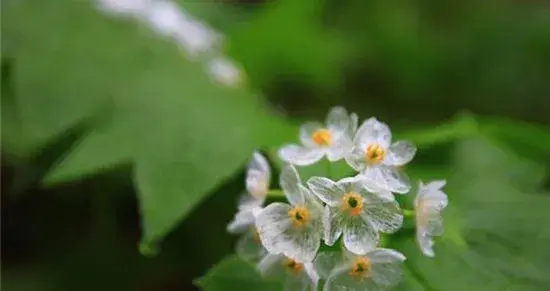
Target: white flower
column 429, row 203
column 325, row 262
column 378, row 159
column 248, row 245
column 356, row 213
column 225, row 72
column 377, row 270
column 258, row 177
column 293, row 230
column 297, row 276
column 334, row 139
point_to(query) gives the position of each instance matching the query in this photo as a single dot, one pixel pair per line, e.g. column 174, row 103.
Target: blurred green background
column 114, row 142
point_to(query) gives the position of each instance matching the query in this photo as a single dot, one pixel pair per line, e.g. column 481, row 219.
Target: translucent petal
column 249, row 247
column 272, row 222
column 436, row 185
column 340, row 280
column 301, row 156
column 360, row 236
column 271, row 266
column 340, row 149
column 435, row 203
column 374, row 183
column 302, row 244
column 338, row 120
column 430, row 197
column 333, row 223
column 312, row 202
column 386, row 195
column 388, row 178
column 352, row 128
column 290, row 183
column 356, row 158
column 435, row 224
column 381, row 255
column 400, row 153
column 351, row 184
column 311, row 272
column 242, row 221
column 258, row 176
column 306, row 132
column 278, row 235
column 425, row 242
column 386, row 267
column 373, row 131
column 325, row 262
column 327, row 190
column 247, row 201
column 384, row 215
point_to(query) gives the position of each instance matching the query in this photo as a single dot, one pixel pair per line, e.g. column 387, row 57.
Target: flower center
column 375, row 154
column 322, row 137
column 299, row 216
column 293, row 266
column 352, row 203
column 360, row 268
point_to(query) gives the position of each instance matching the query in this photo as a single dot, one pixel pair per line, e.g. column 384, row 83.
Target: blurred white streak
column 195, row 37
column 225, row 71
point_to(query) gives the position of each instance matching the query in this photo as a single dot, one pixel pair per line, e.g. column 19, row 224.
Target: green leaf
column 232, row 274
column 152, row 107
column 526, row 139
column 494, row 237
column 462, row 126
column 277, row 37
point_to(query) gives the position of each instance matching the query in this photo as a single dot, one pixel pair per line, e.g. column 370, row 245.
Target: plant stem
column 275, row 193
column 409, row 213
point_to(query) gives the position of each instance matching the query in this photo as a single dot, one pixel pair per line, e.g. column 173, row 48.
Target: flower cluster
column 285, row 238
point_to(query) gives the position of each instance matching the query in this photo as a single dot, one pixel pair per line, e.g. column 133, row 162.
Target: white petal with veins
column 258, row 176
column 360, row 236
column 327, row 190
column 400, row 153
column 300, row 156
column 290, row 183
column 373, row 131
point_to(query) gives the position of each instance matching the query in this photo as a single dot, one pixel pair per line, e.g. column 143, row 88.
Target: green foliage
column 123, row 96
column 266, row 45
column 493, row 232
column 233, row 273
column 150, row 106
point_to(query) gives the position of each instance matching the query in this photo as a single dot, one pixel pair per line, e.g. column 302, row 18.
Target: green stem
column 384, row 239
column 409, row 213
column 275, row 193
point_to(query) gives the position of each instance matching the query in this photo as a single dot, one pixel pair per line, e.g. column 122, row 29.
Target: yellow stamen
column 322, row 137
column 360, row 268
column 352, row 203
column 292, row 265
column 375, row 154
column 299, row 216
